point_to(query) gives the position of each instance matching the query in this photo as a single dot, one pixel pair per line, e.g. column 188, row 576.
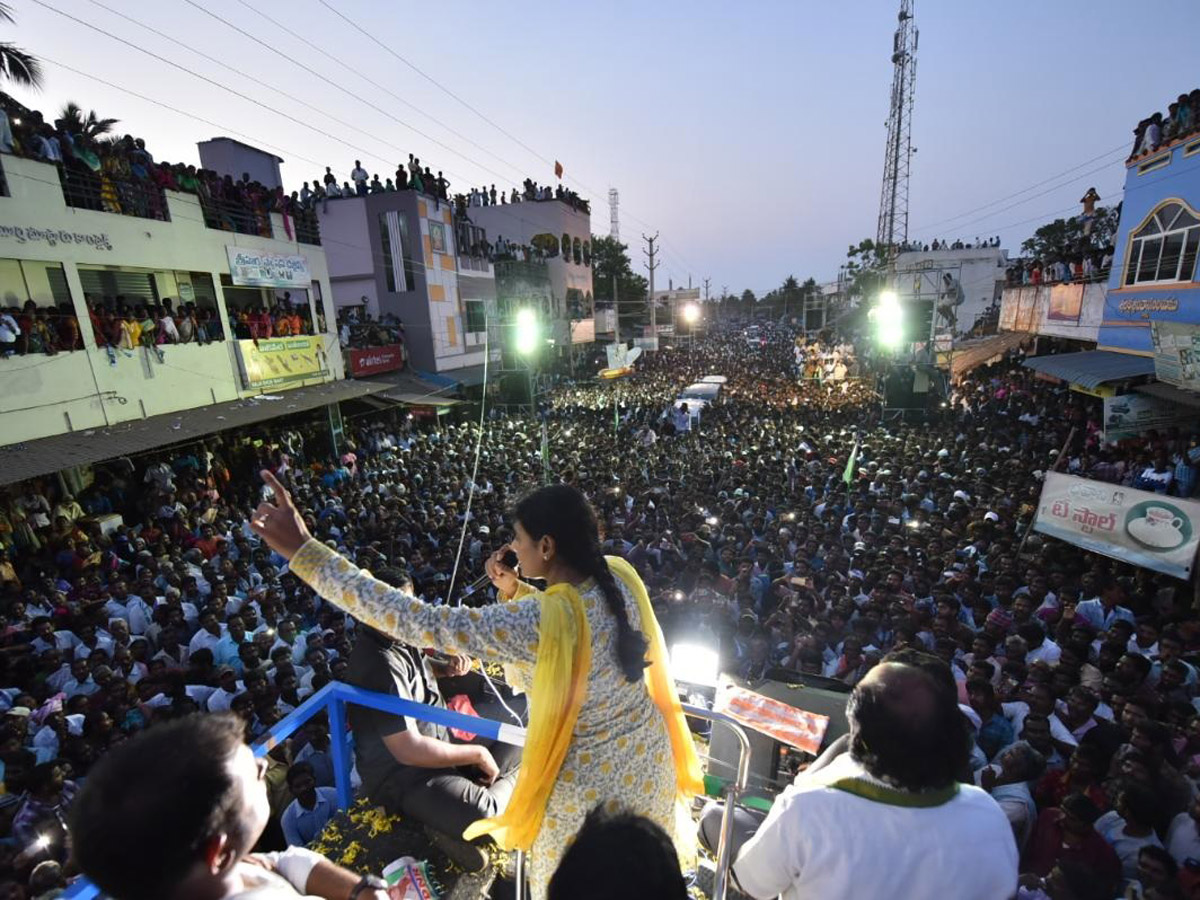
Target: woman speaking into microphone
column 605, row 723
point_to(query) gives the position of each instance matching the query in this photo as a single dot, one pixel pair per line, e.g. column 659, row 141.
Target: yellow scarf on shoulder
column 559, row 686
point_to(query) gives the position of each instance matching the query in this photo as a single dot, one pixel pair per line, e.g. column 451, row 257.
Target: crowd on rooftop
column 958, row 244
column 118, row 174
column 1079, row 673
column 1181, row 120
column 414, row 176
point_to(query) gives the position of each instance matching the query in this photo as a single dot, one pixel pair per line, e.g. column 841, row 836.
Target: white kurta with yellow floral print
column 620, row 753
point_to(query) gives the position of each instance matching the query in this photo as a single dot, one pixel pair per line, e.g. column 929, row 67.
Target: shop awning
column 408, row 389
column 52, row 454
column 971, row 355
column 1092, row 368
column 1170, row 393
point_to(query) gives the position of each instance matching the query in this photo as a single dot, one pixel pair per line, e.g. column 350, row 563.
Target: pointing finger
column 282, row 497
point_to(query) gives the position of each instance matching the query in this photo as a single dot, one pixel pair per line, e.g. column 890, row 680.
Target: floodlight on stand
column 889, row 320
column 695, row 664
column 528, row 331
column 691, row 313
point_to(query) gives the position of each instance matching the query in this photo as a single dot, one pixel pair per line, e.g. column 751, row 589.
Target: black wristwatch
column 368, row 883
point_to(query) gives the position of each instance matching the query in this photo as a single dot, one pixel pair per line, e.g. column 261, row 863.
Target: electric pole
column 651, row 265
column 616, row 312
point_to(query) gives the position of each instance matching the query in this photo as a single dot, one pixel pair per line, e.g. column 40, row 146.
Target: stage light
column 691, row 313
column 889, row 320
column 528, row 331
column 695, row 664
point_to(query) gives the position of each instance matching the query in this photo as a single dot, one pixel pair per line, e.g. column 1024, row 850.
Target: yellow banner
column 279, row 361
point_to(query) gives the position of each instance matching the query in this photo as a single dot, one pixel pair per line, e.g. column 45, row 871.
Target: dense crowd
column 749, row 528
column 119, row 175
column 1182, row 119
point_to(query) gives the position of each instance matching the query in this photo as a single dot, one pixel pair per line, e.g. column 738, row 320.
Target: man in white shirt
column 1183, row 837
column 1105, row 608
column 870, row 823
column 209, row 635
column 172, row 814
column 359, row 176
column 228, row 687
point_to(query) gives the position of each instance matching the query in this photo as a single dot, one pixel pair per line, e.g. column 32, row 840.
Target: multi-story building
column 1140, row 333
column 970, row 278
column 405, row 254
column 62, row 254
column 563, row 234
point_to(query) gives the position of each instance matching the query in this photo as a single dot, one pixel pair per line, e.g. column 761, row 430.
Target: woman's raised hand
column 280, row 523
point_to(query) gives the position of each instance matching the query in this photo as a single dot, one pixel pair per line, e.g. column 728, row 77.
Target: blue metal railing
column 332, row 700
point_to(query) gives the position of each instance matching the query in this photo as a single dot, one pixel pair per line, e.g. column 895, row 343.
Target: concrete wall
column 1061, row 310
column 225, row 156
column 1171, row 174
column 84, row 389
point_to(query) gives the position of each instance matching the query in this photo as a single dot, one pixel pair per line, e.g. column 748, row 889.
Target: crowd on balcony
column 119, row 324
column 38, row 329
column 282, row 318
column 787, row 528
column 358, row 329
column 1181, row 120
column 1084, row 267
column 118, row 174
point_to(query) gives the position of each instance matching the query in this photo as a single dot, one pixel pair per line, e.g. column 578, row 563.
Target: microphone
column 509, row 559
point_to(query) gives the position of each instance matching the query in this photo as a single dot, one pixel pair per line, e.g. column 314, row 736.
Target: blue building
column 1153, row 293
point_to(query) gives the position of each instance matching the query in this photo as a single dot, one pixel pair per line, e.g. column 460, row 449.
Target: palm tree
column 89, row 127
column 16, row 64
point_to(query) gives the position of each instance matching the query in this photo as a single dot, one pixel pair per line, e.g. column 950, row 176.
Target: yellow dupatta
column 559, row 686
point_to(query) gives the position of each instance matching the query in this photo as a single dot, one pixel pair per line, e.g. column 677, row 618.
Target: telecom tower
column 893, row 200
column 614, row 227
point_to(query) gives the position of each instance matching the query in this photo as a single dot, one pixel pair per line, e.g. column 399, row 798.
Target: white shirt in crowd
column 1183, row 838
column 819, row 841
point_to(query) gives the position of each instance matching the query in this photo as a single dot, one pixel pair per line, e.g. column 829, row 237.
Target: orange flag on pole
column 558, row 169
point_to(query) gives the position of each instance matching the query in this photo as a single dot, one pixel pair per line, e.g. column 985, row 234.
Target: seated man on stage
column 413, row 767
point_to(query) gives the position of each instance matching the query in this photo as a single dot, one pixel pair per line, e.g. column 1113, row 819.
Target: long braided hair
column 562, row 512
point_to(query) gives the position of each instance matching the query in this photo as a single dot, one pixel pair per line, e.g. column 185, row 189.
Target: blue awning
column 1093, row 367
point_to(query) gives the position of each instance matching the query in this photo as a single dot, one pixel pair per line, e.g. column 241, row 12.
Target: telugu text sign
column 1149, row 530
column 279, row 361
column 255, row 268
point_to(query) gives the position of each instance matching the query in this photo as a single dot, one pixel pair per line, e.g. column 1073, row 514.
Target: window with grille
column 1163, row 248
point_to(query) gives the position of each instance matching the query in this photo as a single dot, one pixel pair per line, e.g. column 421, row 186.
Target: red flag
column 558, row 170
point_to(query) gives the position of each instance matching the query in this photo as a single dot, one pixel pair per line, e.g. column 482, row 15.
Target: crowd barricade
column 333, row 697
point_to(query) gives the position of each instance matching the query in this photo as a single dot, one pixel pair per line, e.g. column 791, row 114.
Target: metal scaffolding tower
column 614, row 226
column 893, row 199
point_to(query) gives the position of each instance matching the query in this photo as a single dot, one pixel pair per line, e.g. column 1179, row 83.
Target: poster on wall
column 1131, row 415
column 437, row 237
column 1176, row 354
column 280, row 361
column 252, row 268
column 1149, row 530
column 1066, row 302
